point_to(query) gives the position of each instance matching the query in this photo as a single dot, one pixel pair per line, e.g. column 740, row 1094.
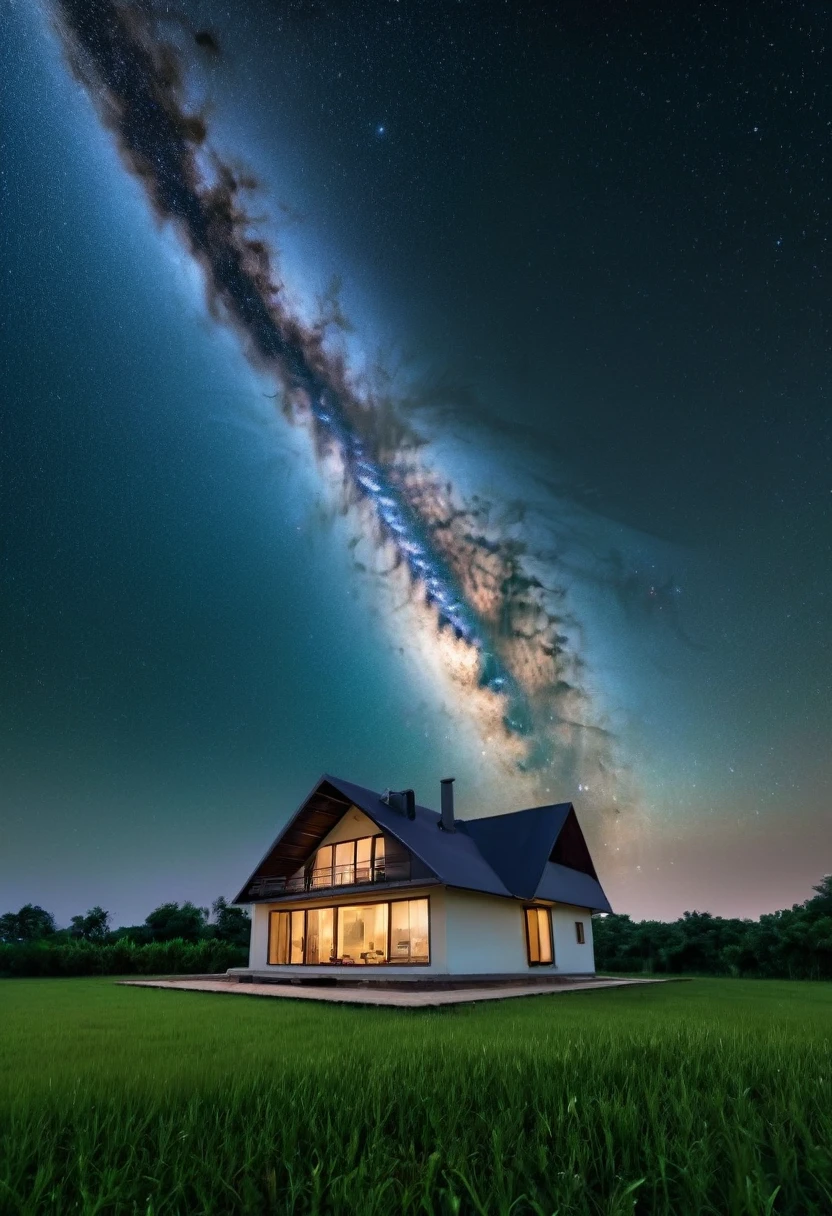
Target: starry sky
column 504, row 452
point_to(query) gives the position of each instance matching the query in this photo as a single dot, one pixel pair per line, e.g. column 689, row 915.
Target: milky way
column 493, row 621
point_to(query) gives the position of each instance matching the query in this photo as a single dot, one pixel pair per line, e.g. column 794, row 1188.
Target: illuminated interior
column 395, row 931
column 539, row 935
column 362, row 933
column 347, row 863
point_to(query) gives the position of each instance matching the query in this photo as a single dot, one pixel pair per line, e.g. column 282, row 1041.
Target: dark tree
column 795, row 943
column 30, row 924
column 821, row 903
column 230, row 924
column 140, row 934
column 93, row 927
column 174, row 920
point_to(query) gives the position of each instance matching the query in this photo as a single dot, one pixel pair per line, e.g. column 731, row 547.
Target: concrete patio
column 396, row 998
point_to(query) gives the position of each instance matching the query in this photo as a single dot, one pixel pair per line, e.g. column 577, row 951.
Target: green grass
column 711, row 1096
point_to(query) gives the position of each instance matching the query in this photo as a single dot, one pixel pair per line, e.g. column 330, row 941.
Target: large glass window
column 344, row 863
column 348, row 862
column 279, row 937
column 362, row 933
column 409, row 931
column 356, row 935
column 363, row 859
column 320, row 935
column 296, row 940
column 539, row 935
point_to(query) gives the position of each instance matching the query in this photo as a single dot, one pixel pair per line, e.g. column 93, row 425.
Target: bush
column 122, row 957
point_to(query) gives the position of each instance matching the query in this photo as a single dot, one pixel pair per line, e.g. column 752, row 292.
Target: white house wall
column 470, row 934
column 352, row 825
column 571, row 958
column 486, row 934
column 258, row 950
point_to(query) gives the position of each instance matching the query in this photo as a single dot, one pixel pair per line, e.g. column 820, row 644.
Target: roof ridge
column 484, row 855
column 546, row 806
column 341, row 781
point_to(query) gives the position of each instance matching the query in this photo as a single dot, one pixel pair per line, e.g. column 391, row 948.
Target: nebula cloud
column 481, row 604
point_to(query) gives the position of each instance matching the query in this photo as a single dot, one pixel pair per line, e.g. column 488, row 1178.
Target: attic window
column 347, row 863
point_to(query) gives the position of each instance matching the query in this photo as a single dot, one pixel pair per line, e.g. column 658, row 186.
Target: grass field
column 701, row 1097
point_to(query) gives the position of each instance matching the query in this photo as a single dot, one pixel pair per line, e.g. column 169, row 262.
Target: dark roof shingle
column 507, row 855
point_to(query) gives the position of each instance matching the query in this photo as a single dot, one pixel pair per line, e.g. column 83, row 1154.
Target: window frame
column 536, row 908
column 336, row 908
column 580, row 933
column 352, row 867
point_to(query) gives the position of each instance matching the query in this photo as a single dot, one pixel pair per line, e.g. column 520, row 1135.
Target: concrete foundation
column 398, row 998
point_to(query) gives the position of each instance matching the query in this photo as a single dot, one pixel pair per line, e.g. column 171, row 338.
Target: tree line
column 175, row 938
column 795, row 943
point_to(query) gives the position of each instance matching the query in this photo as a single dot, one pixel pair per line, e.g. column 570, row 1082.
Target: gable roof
column 518, row 844
column 507, row 855
column 540, row 853
column 452, row 856
column 567, row 886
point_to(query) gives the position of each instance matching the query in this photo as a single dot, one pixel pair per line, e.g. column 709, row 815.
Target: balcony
column 334, row 878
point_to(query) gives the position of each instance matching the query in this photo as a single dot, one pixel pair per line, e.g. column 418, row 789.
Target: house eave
column 378, row 892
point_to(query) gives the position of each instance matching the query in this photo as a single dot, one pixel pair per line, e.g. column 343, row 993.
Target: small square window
column 579, row 932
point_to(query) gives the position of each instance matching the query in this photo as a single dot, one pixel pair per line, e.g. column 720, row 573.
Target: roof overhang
column 316, row 816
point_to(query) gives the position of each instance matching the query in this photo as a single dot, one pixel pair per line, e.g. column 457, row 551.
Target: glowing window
column 395, row 931
column 279, row 937
column 322, row 871
column 320, row 935
column 347, row 863
column 296, row 940
column 409, row 939
column 363, row 859
column 539, row 936
column 344, row 863
column 362, row 933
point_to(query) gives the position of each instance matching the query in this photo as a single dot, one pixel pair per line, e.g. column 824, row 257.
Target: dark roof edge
column 384, row 827
column 323, row 777
column 352, row 795
column 550, row 806
column 554, row 806
column 336, row 784
column 571, row 811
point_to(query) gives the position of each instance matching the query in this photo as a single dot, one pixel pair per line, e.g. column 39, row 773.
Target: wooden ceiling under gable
column 318, row 816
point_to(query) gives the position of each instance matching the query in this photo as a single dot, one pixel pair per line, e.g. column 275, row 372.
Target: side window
column 579, row 932
column 539, row 936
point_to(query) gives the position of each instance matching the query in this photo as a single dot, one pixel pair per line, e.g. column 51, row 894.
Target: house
column 369, row 886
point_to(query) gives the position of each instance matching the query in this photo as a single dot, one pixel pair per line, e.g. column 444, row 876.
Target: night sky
column 403, row 390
